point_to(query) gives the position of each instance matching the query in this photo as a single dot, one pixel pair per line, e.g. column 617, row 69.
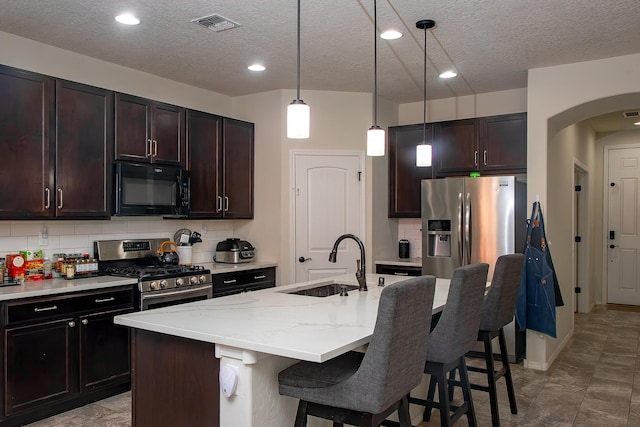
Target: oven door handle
column 171, row 293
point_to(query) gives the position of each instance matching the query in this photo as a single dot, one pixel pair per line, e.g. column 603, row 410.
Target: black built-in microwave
column 148, row 189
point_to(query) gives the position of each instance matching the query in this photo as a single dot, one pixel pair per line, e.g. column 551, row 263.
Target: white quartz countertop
column 274, row 322
column 61, row 286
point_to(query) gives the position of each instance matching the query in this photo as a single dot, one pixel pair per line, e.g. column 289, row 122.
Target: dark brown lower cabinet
column 104, row 350
column 63, row 352
column 174, row 381
column 39, row 364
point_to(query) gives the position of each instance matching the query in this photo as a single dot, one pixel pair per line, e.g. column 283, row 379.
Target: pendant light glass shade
column 423, row 151
column 375, row 141
column 423, row 155
column 375, row 134
column 298, row 113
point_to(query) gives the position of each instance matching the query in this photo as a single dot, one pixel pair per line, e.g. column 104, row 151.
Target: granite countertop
column 411, row 262
column 275, row 322
column 61, row 286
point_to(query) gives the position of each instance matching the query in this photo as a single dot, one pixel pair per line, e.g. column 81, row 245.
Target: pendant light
column 298, row 112
column 423, row 151
column 375, row 134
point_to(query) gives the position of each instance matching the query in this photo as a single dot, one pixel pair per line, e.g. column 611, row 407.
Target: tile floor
column 594, row 382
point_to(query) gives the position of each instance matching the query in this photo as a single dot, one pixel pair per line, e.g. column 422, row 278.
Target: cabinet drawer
column 398, row 270
column 107, row 299
column 231, row 283
column 51, row 308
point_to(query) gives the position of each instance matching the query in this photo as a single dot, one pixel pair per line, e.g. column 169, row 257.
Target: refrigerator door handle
column 460, row 211
column 468, row 228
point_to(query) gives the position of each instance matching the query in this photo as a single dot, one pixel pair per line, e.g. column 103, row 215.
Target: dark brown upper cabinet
column 221, row 166
column 26, row 161
column 457, row 146
column 237, row 173
column 495, row 145
column 503, row 141
column 149, row 131
column 204, row 138
column 83, row 151
column 490, row 145
column 404, row 175
column 56, row 144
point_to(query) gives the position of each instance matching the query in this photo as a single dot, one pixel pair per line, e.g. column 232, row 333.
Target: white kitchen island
column 260, row 333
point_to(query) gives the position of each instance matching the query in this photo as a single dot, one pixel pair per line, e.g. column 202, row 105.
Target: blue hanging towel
column 536, row 307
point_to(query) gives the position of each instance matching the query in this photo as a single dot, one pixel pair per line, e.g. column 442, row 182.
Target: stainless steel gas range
column 159, row 284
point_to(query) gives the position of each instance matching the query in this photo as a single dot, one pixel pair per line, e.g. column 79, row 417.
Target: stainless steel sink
column 324, row 290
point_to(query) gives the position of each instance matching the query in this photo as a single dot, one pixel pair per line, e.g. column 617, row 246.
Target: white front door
column 328, row 203
column 623, row 232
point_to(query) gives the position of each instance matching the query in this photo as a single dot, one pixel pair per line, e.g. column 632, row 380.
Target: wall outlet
column 43, row 238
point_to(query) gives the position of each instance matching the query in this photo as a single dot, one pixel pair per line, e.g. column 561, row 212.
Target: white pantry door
column 328, row 203
column 623, row 231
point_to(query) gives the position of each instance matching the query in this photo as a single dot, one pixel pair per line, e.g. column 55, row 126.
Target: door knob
column 613, row 246
column 303, row 259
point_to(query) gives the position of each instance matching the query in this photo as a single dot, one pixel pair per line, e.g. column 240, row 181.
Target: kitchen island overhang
column 261, row 333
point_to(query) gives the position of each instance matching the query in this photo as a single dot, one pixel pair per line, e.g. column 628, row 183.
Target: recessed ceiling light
column 448, row 74
column 391, row 35
column 256, row 67
column 127, row 19
column 637, row 123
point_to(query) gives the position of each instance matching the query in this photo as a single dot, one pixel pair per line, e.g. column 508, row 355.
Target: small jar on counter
column 70, row 270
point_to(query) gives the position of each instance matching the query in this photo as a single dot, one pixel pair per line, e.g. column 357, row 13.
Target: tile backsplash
column 411, row 229
column 78, row 236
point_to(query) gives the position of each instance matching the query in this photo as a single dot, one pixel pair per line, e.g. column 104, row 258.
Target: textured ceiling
column 491, row 43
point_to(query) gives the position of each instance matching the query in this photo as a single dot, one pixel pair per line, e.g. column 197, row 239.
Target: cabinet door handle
column 259, row 277
column 485, row 157
column 475, row 158
column 400, row 273
column 60, row 203
column 155, row 148
column 219, row 204
column 72, row 324
column 38, row 309
column 99, row 300
column 226, row 203
column 148, row 150
column 227, row 282
column 85, row 321
column 47, row 193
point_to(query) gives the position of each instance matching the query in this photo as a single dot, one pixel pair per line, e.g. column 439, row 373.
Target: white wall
column 45, row 59
column 558, row 97
column 464, row 107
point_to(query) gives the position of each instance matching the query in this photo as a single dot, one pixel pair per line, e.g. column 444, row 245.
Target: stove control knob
column 163, row 284
column 153, row 285
column 180, row 281
column 202, row 279
column 193, row 280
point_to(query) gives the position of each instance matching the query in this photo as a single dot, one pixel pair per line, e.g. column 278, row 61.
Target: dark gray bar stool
column 452, row 338
column 365, row 388
column 498, row 309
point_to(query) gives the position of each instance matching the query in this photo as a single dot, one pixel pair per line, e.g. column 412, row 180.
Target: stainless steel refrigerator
column 471, row 220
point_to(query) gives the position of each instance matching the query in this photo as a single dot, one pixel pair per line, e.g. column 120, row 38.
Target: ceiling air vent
column 631, row 114
column 216, row 22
